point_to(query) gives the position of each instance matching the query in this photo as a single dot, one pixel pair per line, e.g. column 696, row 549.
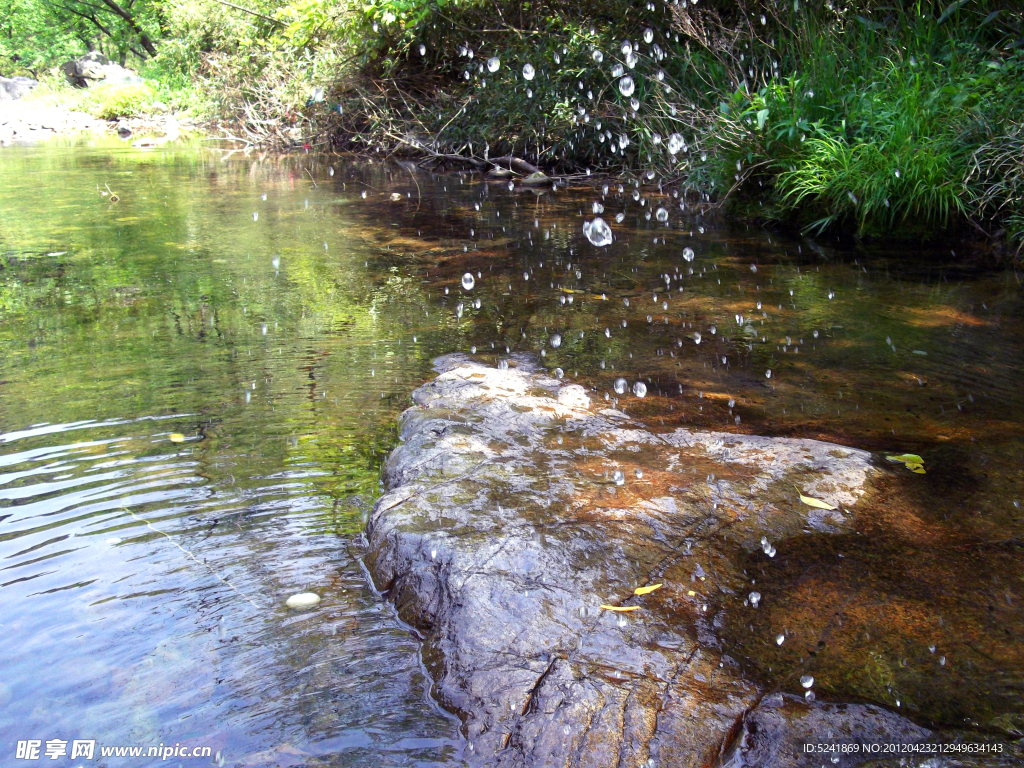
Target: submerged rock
column 502, row 533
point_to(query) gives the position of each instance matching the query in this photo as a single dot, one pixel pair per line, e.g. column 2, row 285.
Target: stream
column 203, row 357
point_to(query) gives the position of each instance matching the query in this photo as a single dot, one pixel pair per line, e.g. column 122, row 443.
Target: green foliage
column 110, row 102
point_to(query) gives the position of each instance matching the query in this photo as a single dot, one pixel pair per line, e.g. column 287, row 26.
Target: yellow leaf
column 906, row 458
column 916, row 469
column 177, row 437
column 691, row 593
column 621, row 608
column 812, row 502
column 646, row 590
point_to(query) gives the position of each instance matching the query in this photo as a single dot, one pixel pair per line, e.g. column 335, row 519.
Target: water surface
column 277, row 312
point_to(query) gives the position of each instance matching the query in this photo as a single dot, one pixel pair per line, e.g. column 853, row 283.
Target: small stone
column 303, row 600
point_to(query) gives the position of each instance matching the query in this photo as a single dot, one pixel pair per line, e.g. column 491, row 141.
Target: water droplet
column 780, row 639
column 617, row 71
column 423, row 50
column 598, row 232
column 255, row 215
column 768, row 373
column 618, row 477
column 276, row 262
column 648, row 35
column 556, row 341
column 597, row 56
column 528, row 71
column 620, row 386
column 626, row 86
column 640, row 389
column 675, row 143
column 688, row 254
column 755, row 598
column 661, row 215
column 493, row 63
column 639, row 473
column 627, row 48
column 696, row 337
column 807, row 681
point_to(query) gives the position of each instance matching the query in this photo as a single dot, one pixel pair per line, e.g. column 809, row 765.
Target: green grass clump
column 110, row 102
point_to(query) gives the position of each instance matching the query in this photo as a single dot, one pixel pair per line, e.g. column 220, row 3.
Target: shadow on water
column 278, row 311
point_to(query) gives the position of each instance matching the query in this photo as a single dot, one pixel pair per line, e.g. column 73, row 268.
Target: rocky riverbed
column 518, row 511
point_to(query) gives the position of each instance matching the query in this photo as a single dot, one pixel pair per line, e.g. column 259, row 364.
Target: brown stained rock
column 502, row 532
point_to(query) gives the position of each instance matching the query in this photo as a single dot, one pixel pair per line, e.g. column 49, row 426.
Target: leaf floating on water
column 177, row 437
column 911, row 461
column 810, row 501
column 906, row 458
column 621, row 608
column 646, row 590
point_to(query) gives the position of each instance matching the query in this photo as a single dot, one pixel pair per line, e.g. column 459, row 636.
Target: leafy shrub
column 109, row 102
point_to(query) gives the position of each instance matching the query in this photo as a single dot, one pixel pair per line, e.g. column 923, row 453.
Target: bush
column 109, row 102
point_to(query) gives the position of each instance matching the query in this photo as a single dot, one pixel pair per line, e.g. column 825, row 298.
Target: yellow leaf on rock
column 816, row 503
column 621, row 608
column 646, row 590
column 177, row 437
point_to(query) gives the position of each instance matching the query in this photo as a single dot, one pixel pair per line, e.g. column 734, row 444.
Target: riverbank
column 31, row 120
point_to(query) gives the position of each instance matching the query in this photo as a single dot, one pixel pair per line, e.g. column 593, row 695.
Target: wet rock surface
column 507, row 525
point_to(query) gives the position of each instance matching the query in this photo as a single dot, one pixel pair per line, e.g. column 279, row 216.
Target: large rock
column 505, row 527
column 14, row 88
column 94, row 68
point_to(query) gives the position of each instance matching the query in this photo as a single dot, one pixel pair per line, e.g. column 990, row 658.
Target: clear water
column 143, row 581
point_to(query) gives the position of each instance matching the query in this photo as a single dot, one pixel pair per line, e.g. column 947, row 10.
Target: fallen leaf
column 177, row 437
column 916, row 468
column 816, row 503
column 621, row 608
column 906, row 458
column 691, row 593
column 646, row 590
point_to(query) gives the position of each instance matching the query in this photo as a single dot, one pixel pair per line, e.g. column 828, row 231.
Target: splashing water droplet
column 597, row 56
column 648, row 35
column 627, row 86
column 675, row 143
column 618, row 477
column 806, row 681
column 620, row 386
column 556, row 341
column 597, row 232
column 618, row 70
column 528, row 71
column 780, row 639
column 423, row 50
column 688, row 254
column 640, row 389
column 468, row 281
column 627, row 48
column 493, row 64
